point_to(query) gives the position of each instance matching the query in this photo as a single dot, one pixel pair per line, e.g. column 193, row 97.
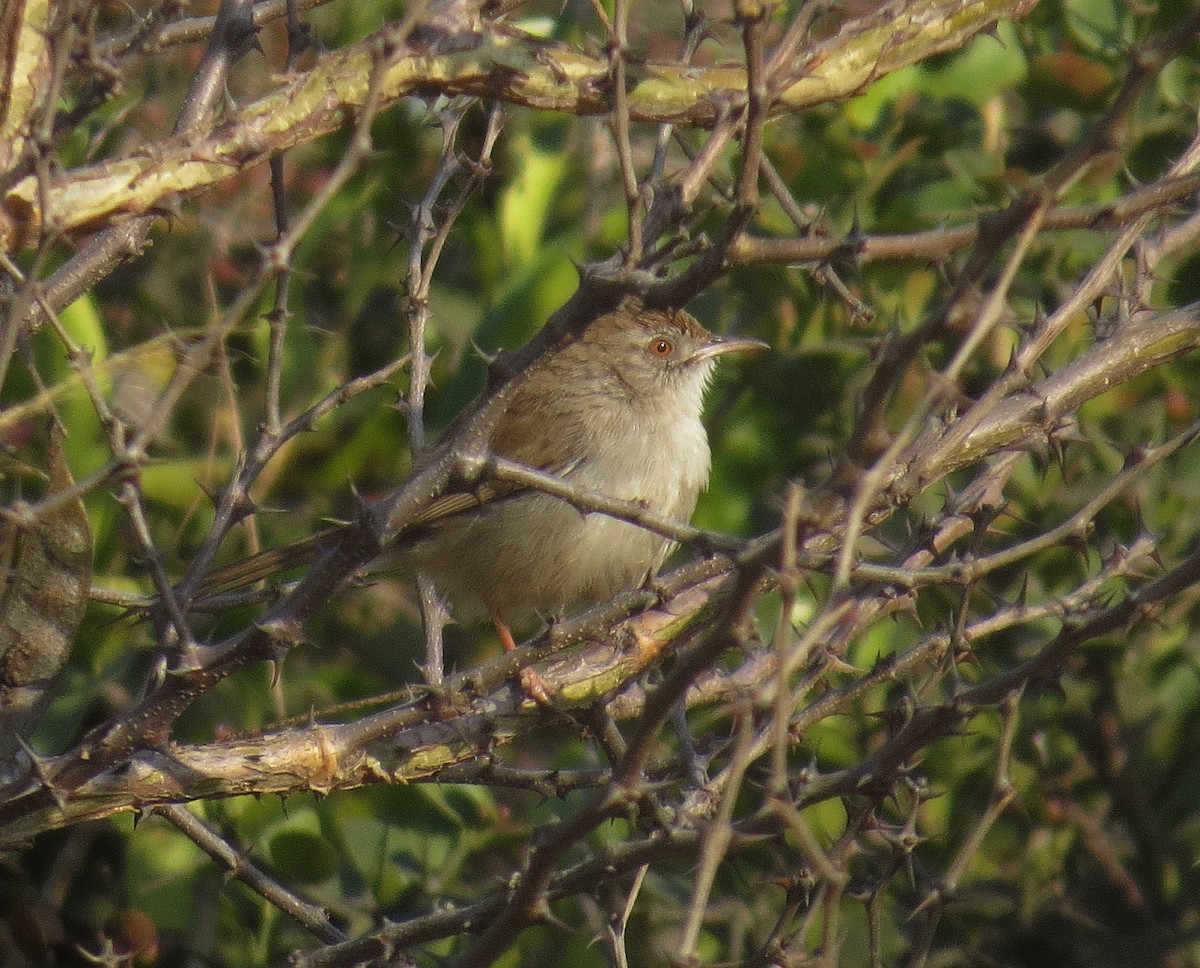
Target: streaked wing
column 263, row 565
column 520, row 436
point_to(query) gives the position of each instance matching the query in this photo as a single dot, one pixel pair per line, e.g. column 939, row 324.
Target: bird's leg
column 531, row 680
column 505, row 633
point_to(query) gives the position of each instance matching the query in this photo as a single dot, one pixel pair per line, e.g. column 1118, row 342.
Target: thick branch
column 418, row 738
column 499, row 64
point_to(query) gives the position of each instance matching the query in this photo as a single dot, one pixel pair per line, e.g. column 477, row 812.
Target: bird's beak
column 720, row 345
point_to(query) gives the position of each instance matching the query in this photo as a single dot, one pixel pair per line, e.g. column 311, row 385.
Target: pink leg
column 531, row 680
column 502, row 630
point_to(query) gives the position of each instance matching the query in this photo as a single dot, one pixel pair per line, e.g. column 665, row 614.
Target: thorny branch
column 706, row 695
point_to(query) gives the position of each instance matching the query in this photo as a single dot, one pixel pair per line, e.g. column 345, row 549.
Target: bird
column 615, row 411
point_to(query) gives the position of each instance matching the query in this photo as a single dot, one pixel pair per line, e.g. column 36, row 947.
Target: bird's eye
column 661, row 347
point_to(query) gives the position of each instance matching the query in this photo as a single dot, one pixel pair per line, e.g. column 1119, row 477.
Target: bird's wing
column 520, row 436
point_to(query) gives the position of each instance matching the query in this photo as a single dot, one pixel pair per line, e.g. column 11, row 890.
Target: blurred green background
column 1095, row 863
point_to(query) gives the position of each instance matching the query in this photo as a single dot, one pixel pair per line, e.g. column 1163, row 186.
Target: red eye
column 661, row 347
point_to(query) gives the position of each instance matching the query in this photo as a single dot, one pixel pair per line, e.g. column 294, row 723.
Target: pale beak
column 720, row 345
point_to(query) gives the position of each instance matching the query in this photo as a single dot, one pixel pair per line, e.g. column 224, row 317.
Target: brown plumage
column 616, row 411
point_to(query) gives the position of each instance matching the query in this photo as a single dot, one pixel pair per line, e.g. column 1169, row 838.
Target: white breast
column 535, row 555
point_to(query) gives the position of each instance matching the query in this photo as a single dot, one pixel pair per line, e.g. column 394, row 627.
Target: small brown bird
column 616, row 411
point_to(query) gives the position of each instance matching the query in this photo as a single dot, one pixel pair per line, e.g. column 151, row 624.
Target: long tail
column 265, row 564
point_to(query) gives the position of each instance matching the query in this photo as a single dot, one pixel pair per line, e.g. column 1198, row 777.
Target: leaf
column 525, row 203
column 303, row 857
column 47, row 571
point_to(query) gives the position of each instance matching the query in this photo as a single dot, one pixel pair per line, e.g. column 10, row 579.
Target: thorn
column 993, row 31
column 244, row 506
column 838, row 664
column 37, row 767
column 855, row 236
column 906, row 604
column 950, row 502
column 281, row 634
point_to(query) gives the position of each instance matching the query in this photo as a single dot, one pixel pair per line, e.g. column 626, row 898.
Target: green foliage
column 1093, row 863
